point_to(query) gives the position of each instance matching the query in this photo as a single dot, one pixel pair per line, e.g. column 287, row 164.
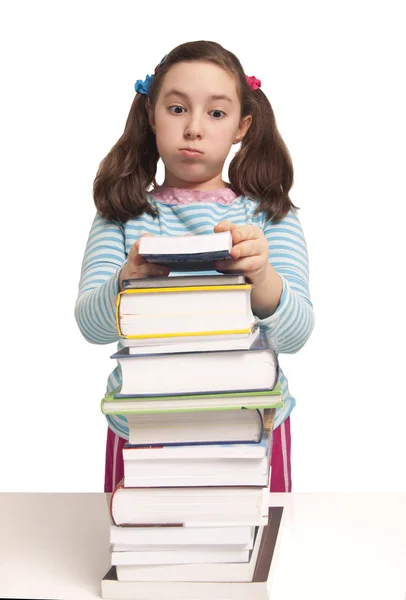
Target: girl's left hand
column 249, row 251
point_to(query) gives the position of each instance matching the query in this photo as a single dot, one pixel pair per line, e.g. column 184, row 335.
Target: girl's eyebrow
column 183, row 95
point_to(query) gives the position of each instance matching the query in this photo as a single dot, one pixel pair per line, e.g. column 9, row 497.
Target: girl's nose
column 193, row 133
column 194, row 129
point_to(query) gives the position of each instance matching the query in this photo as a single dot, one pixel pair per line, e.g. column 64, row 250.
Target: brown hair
column 262, row 168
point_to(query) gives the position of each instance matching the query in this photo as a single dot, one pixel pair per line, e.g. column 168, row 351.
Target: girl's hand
column 137, row 267
column 249, row 251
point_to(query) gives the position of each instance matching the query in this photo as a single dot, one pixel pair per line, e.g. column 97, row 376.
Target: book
column 186, row 252
column 180, row 547
column 191, row 506
column 255, row 369
column 255, row 477
column 115, row 402
column 183, row 281
column 184, row 310
column 183, row 452
column 196, row 344
column 218, row 341
column 254, row 450
column 187, row 467
column 235, row 426
column 235, row 475
column 158, row 428
column 182, row 535
column 258, row 588
column 191, row 299
column 178, row 556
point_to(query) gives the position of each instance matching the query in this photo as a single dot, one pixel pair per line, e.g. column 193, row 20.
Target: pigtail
column 262, row 169
column 124, row 175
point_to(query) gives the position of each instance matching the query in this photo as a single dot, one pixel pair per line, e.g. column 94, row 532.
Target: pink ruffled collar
column 172, row 195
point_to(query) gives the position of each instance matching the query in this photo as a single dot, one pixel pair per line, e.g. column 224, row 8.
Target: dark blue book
column 187, row 253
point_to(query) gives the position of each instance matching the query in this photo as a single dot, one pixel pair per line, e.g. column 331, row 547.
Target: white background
column 335, row 78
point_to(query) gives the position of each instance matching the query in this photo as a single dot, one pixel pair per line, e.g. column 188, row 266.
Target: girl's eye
column 219, row 114
column 177, row 110
column 176, row 107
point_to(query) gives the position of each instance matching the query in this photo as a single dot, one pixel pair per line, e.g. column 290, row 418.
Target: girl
column 189, row 113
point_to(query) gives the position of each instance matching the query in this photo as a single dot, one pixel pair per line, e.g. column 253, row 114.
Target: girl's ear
column 151, row 116
column 243, row 127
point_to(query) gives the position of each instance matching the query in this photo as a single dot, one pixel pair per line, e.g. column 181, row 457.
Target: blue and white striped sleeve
column 98, row 287
column 290, row 326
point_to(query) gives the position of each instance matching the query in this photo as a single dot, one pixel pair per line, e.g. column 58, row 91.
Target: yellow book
column 184, row 311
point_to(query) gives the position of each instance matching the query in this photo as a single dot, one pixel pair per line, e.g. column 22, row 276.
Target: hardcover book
column 188, row 252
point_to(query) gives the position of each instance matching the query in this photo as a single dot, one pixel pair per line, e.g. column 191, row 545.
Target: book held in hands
column 187, row 253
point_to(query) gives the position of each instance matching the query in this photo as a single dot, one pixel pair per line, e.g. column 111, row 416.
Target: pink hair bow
column 253, row 82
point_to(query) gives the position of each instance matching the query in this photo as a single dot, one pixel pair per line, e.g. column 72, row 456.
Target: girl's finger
column 245, row 232
column 151, row 270
column 147, row 270
column 134, row 258
column 245, row 248
column 133, row 254
column 224, row 226
column 225, row 266
column 243, row 265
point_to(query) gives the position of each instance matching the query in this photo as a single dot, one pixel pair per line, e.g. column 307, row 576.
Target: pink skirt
column 281, row 480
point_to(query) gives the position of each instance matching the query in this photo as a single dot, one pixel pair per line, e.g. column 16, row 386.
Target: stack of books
column 199, row 390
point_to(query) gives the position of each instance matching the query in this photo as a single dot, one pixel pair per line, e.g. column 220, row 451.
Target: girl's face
column 197, row 109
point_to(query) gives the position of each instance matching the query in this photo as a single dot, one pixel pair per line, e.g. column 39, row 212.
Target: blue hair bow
column 143, row 87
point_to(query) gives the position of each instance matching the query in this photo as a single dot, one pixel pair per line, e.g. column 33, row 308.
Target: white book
column 178, row 324
column 190, row 452
column 256, row 477
column 185, row 310
column 190, row 506
column 194, row 344
column 199, row 372
column 179, row 557
column 182, row 536
column 180, row 547
column 182, row 427
column 185, row 244
column 148, row 302
column 225, row 341
column 112, row 589
column 196, row 467
column 190, row 480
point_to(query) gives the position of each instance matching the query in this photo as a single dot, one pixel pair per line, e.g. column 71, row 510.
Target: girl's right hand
column 137, row 267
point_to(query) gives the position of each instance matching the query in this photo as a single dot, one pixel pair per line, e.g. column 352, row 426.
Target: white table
column 333, row 546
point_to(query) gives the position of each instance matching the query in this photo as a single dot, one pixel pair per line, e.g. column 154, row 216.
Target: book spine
column 261, row 417
column 118, row 300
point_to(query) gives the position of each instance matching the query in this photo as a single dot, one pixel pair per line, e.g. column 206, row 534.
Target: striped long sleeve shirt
column 107, row 249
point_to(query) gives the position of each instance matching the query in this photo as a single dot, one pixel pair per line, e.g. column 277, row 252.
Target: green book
column 111, row 405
